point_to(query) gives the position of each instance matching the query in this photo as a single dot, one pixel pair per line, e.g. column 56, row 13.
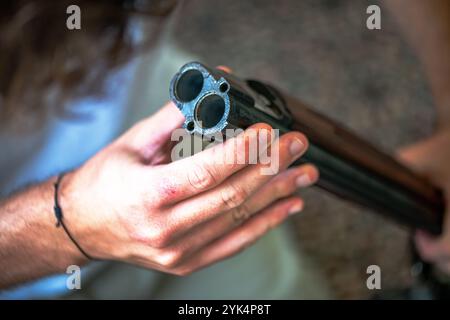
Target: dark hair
column 43, row 64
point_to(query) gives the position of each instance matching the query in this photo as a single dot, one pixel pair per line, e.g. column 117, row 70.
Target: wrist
column 71, row 222
column 31, row 244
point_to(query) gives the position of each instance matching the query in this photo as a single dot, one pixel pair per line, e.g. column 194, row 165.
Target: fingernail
column 295, row 208
column 296, row 147
column 303, row 180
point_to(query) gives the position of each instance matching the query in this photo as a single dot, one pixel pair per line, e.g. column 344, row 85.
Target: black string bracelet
column 59, row 216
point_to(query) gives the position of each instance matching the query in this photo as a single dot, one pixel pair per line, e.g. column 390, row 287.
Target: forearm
column 426, row 26
column 30, row 244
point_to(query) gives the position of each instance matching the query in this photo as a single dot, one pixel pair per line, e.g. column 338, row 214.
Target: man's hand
column 131, row 203
column 432, row 157
column 426, row 26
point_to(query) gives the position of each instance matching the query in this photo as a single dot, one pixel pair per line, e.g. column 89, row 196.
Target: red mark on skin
column 168, row 190
column 171, row 191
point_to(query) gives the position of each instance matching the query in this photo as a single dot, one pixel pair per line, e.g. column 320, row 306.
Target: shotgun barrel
column 351, row 168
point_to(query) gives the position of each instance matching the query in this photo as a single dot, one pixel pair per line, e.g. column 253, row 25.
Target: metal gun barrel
column 212, row 100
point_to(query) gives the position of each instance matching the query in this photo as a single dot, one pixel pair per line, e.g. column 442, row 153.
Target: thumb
column 416, row 156
column 408, row 155
column 155, row 131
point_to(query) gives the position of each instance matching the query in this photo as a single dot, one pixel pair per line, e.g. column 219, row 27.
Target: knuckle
column 241, row 213
column 200, row 177
column 233, row 196
column 159, row 237
column 170, row 258
column 183, row 272
column 283, row 188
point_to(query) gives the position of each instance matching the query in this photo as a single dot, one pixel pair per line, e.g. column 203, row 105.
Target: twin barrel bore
column 208, row 110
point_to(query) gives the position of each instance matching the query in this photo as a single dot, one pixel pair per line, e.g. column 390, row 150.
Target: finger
column 431, row 249
column 418, row 157
column 204, row 170
column 279, row 187
column 241, row 237
column 235, row 190
column 224, row 69
column 149, row 134
column 412, row 156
